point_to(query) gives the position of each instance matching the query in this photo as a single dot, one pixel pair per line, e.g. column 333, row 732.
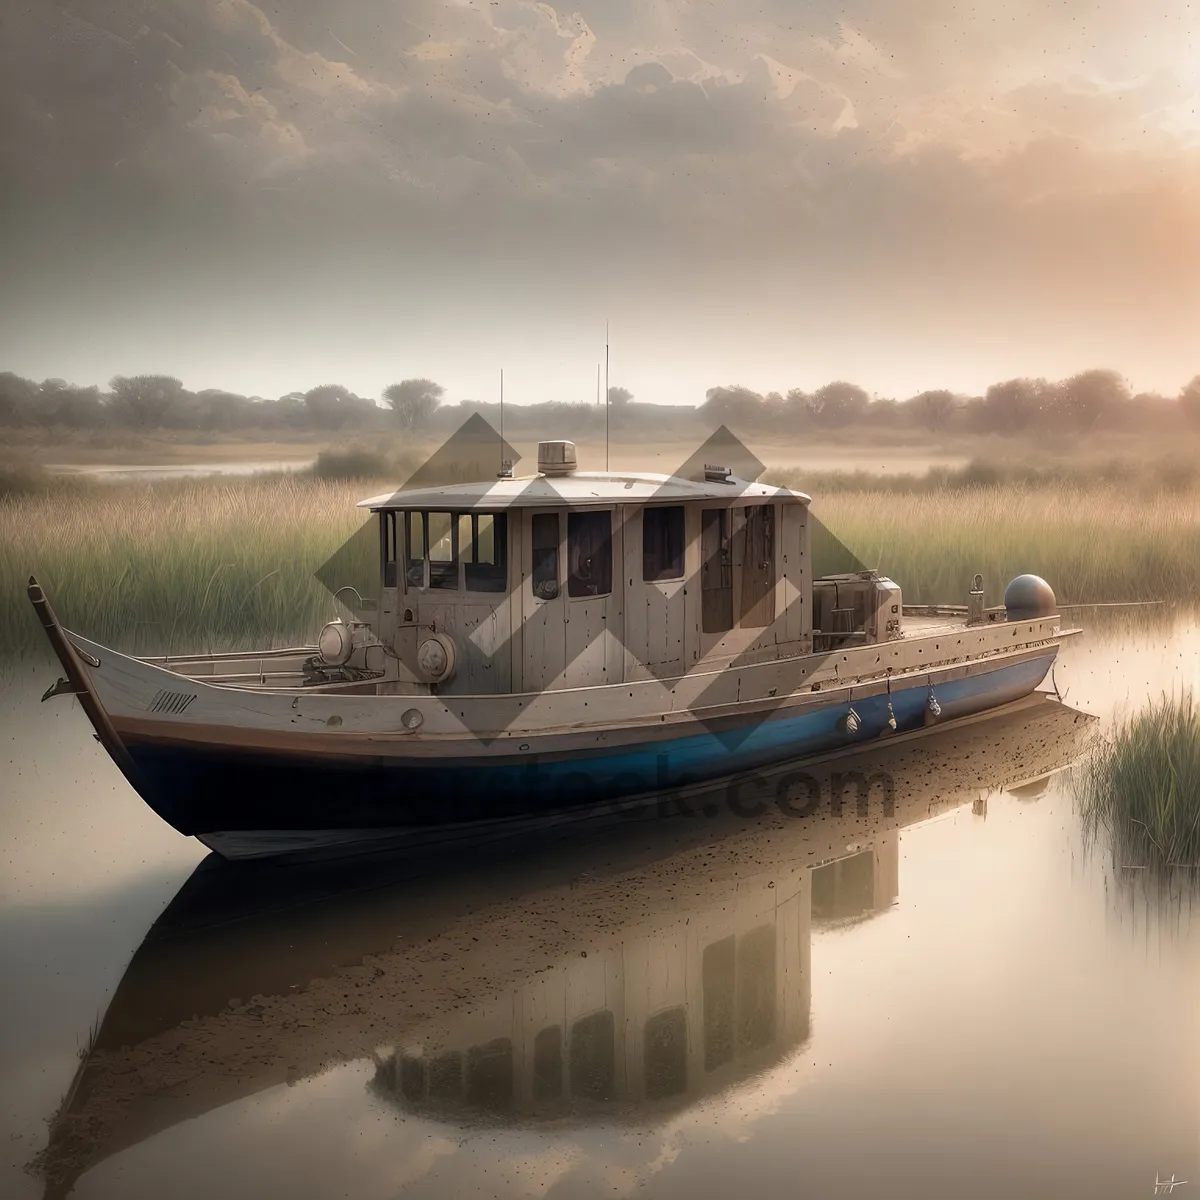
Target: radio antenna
column 606, row 395
column 501, row 420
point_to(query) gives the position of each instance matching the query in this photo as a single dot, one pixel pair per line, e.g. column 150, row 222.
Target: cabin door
column 754, row 556
column 543, row 598
column 716, row 571
column 571, row 599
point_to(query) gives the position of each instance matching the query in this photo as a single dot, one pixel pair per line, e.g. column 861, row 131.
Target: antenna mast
column 606, row 395
column 501, row 420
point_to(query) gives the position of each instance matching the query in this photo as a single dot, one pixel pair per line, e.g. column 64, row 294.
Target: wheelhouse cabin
column 575, row 579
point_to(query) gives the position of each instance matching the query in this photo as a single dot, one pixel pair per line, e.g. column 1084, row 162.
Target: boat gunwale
column 353, row 743
column 610, row 689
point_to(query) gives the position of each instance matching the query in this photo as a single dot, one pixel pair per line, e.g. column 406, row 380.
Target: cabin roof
column 582, row 488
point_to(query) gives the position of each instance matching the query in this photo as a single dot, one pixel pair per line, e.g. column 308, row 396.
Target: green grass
column 1093, row 544
column 1142, row 787
column 183, row 565
column 1172, row 473
column 189, row 565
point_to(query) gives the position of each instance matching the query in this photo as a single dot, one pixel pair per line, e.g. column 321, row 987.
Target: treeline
column 155, row 402
column 1097, row 399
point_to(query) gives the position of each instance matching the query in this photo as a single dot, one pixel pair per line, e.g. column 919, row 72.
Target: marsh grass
column 1141, row 787
column 1173, row 473
column 222, row 563
column 358, row 461
column 182, row 565
column 1093, row 544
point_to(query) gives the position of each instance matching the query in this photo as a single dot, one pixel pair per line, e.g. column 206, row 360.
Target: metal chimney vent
column 556, row 458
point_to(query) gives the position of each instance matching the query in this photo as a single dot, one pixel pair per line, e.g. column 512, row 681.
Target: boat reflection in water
column 658, row 1018
column 627, row 974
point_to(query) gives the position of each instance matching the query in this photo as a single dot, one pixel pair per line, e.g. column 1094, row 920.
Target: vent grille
column 171, row 702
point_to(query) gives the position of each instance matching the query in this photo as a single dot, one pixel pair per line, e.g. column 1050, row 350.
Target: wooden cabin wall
column 544, row 634
column 518, row 642
column 571, row 641
column 655, row 614
column 513, row 608
column 786, row 606
column 794, row 603
column 596, row 624
column 481, row 641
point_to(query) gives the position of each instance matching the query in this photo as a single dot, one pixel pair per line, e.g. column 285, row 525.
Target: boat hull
column 256, row 772
column 259, row 802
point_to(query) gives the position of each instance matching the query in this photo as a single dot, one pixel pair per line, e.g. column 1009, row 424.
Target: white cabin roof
column 581, row 488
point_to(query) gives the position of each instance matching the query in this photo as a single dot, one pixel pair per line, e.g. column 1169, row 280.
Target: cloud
column 850, row 159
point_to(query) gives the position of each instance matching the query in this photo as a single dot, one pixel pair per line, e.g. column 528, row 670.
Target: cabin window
column 548, row 1063
column 589, row 553
column 442, row 532
column 758, row 566
column 716, row 571
column 664, row 1054
column 592, row 1056
column 483, row 547
column 479, row 541
column 387, row 547
column 414, row 555
column 545, row 534
column 662, row 544
column 717, row 981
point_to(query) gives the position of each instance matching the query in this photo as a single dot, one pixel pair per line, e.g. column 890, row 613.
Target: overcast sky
column 776, row 193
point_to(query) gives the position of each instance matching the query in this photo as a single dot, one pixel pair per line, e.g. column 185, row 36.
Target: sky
column 770, row 193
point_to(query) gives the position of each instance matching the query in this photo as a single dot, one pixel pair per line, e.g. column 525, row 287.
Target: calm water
column 958, row 998
column 144, row 474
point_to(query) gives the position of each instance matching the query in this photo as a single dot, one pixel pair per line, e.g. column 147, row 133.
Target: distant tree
column 799, row 409
column 216, row 409
column 618, row 397
column 17, row 399
column 291, row 411
column 933, row 410
column 144, row 401
column 885, row 413
column 775, row 409
column 61, row 403
column 839, row 403
column 735, row 405
column 1091, row 395
column 1015, row 404
column 414, row 401
column 974, row 416
column 1189, row 402
column 332, row 406
column 326, row 406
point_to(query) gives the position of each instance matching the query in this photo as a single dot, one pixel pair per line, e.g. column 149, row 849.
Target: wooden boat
column 538, row 643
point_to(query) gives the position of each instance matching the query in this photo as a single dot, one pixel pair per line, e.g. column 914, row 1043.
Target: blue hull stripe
column 213, row 789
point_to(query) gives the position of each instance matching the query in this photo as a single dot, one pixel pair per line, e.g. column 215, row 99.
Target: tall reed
column 1142, row 787
column 181, row 566
column 1092, row 544
column 232, row 562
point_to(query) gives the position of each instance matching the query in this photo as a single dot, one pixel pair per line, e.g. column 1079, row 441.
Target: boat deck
column 926, row 625
column 283, row 668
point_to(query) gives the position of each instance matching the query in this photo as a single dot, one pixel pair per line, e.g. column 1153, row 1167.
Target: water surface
column 953, row 997
column 117, row 472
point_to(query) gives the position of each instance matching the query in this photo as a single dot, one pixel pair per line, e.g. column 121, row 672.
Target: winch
column 347, row 652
